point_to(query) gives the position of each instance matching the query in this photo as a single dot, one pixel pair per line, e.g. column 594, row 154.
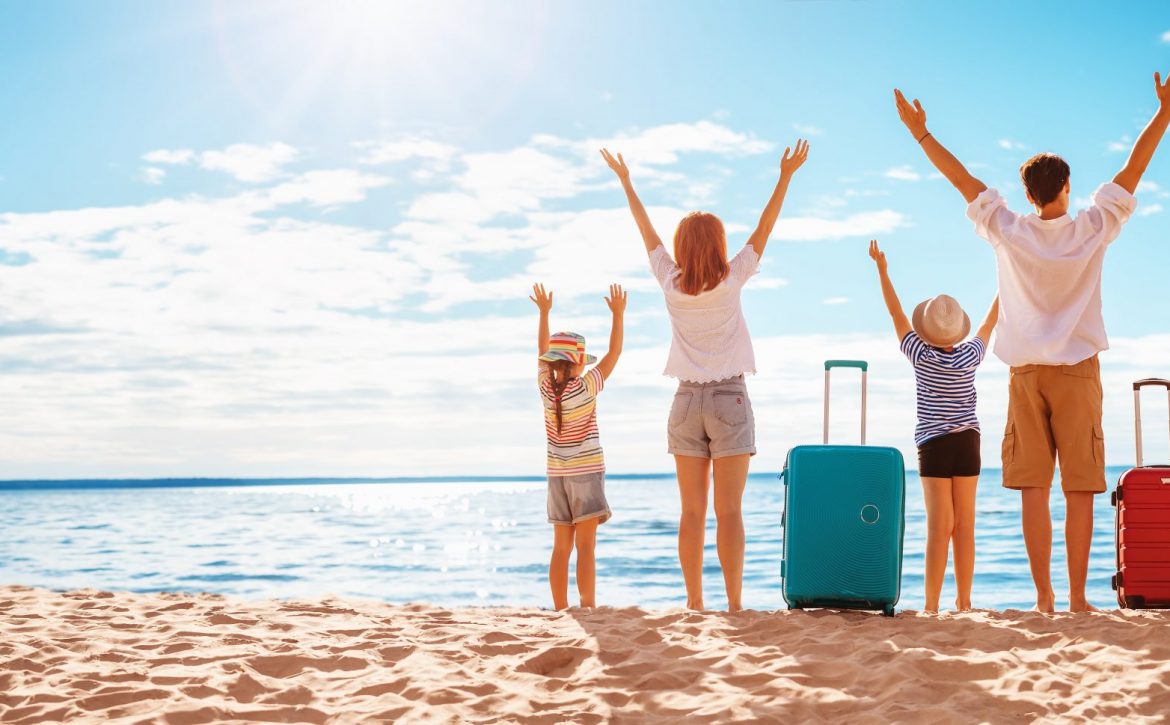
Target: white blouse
column 1050, row 276
column 710, row 339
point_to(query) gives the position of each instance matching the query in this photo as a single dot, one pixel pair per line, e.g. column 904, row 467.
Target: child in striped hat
column 576, row 466
column 947, row 434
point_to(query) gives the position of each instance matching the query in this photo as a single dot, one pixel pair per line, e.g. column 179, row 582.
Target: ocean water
column 455, row 542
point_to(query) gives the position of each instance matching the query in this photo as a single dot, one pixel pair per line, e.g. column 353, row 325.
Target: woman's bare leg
column 730, row 477
column 694, row 478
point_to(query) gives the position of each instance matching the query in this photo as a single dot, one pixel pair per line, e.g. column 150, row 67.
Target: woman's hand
column 877, row 255
column 618, row 165
column 912, row 115
column 793, row 160
column 616, row 300
column 542, row 299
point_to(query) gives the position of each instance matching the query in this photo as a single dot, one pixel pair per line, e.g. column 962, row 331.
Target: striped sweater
column 576, row 449
column 945, row 383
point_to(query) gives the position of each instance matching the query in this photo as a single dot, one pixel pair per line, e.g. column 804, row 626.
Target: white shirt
column 710, row 339
column 1050, row 276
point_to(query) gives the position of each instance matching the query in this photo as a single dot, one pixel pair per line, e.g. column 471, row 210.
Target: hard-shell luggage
column 1142, row 498
column 843, row 520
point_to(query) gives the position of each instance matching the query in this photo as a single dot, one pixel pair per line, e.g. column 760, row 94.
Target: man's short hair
column 1044, row 176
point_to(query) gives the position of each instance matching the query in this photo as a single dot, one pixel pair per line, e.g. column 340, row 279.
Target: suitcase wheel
column 1135, row 602
column 888, row 610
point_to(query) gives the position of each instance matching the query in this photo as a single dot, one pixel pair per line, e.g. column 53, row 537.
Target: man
column 1050, row 331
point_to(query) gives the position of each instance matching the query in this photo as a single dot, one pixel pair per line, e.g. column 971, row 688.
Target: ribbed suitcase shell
column 843, row 521
column 1143, row 538
column 1142, row 498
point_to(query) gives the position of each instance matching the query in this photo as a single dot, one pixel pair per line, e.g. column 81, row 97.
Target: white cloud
column 405, row 148
column 1149, row 209
column 807, row 129
column 1125, row 144
column 153, row 175
column 1009, row 144
column 902, row 173
column 835, row 300
column 864, row 224
column 1166, row 37
column 169, row 156
column 663, row 145
column 249, row 162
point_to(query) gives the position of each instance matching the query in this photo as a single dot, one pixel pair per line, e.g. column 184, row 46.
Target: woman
column 711, row 424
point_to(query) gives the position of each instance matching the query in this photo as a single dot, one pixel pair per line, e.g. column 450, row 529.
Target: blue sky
column 278, row 238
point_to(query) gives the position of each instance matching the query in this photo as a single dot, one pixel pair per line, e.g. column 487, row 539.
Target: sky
column 297, row 239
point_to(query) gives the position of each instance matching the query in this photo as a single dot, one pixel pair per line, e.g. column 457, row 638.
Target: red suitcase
column 1142, row 498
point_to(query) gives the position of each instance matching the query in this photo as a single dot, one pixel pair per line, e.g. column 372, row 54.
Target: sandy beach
column 170, row 658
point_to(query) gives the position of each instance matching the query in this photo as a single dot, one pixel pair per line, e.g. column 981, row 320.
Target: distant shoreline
column 198, row 482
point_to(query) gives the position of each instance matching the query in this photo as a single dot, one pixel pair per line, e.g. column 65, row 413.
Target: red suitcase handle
column 1137, row 408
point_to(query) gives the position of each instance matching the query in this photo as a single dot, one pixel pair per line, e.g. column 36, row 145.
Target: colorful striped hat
column 567, row 346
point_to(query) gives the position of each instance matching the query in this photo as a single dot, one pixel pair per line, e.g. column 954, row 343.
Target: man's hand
column 616, row 300
column 1163, row 90
column 793, row 160
column 542, row 299
column 618, row 165
column 914, row 116
column 877, row 255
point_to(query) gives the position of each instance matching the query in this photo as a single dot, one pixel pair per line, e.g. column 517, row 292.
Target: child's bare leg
column 694, row 479
column 730, row 477
column 558, row 566
column 940, row 524
column 963, row 539
column 1037, row 524
column 585, row 534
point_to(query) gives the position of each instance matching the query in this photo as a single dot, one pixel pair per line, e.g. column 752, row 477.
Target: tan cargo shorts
column 1054, row 413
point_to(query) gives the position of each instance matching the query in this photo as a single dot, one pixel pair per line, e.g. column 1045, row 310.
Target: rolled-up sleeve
column 1114, row 206
column 744, row 264
column 991, row 215
column 662, row 266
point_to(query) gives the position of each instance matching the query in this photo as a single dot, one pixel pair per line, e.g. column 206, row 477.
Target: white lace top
column 710, row 339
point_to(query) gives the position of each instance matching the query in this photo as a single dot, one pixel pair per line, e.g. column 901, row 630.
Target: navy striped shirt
column 946, row 385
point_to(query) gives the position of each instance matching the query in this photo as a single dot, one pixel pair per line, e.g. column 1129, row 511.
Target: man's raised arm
column 914, row 116
column 1148, row 140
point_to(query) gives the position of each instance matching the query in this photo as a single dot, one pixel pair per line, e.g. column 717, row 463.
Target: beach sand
column 171, row 658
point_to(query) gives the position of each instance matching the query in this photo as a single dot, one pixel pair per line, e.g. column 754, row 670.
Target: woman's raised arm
column 649, row 236
column 789, row 163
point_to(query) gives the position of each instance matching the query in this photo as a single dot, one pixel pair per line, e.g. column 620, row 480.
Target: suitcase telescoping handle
column 1137, row 408
column 861, row 365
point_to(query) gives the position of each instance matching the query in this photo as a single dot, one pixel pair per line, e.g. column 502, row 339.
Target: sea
column 454, row 542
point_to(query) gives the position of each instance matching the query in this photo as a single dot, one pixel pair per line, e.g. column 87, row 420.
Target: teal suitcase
column 843, row 520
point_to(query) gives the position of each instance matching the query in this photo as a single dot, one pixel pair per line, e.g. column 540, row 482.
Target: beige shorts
column 711, row 420
column 1054, row 413
column 573, row 499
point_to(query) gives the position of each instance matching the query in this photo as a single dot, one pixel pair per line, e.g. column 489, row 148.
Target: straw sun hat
column 940, row 321
column 567, row 346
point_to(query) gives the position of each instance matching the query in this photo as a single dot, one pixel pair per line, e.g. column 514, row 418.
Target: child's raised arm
column 1147, row 142
column 543, row 302
column 789, row 163
column 617, row 305
column 649, row 237
column 914, row 117
column 901, row 322
column 988, row 325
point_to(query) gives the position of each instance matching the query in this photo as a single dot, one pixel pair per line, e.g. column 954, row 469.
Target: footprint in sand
column 555, row 661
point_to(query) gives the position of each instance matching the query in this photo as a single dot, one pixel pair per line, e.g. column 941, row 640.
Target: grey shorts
column 711, row 420
column 572, row 499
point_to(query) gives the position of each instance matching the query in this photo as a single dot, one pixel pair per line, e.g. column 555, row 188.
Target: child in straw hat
column 576, row 466
column 947, row 434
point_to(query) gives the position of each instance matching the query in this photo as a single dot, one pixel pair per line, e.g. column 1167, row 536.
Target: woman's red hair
column 700, row 250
